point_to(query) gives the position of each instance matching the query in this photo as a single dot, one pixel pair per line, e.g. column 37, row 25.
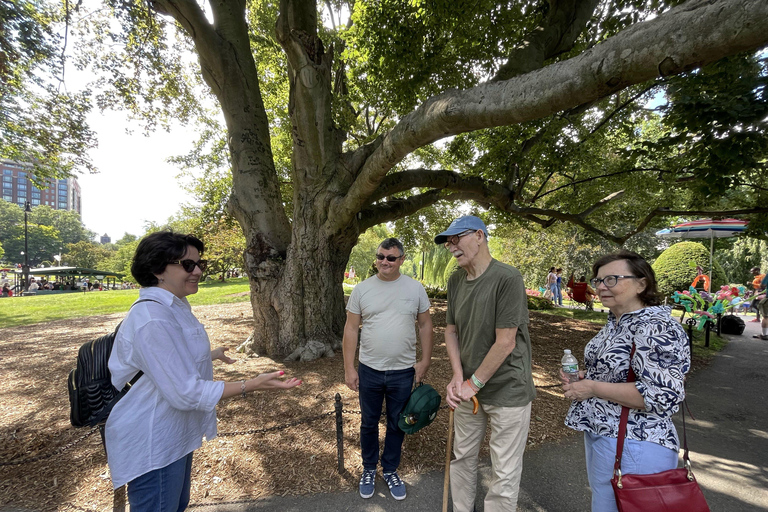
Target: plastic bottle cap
column 567, row 351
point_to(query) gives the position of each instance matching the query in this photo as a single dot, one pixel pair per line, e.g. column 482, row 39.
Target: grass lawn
column 43, row 308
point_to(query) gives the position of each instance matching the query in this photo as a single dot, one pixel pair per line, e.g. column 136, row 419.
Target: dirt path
column 34, row 417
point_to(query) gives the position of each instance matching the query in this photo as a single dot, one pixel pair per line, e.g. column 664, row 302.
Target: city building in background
column 59, row 194
column 105, row 239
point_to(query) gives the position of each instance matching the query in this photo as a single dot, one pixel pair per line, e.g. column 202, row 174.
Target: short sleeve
column 423, row 299
column 511, row 302
column 353, row 304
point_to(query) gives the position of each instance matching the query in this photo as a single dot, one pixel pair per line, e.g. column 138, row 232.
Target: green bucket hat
column 420, row 410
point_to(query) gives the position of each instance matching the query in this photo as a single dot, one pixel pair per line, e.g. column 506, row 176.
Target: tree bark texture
column 296, row 265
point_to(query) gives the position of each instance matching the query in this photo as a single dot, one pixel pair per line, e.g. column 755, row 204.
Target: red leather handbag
column 669, row 491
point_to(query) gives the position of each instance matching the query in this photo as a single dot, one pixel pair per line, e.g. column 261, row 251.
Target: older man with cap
column 490, row 353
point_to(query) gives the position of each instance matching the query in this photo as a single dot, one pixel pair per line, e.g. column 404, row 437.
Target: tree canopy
column 543, row 109
column 41, row 123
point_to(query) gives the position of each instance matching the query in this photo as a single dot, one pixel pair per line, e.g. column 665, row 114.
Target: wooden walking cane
column 447, row 478
column 449, row 445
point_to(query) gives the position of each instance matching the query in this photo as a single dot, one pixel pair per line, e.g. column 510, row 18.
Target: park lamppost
column 25, row 284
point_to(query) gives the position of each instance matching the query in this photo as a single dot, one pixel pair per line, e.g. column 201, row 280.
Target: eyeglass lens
column 389, row 257
column 609, row 281
column 189, row 265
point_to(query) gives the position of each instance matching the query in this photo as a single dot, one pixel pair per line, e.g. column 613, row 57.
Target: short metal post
column 690, row 323
column 339, row 433
column 707, row 329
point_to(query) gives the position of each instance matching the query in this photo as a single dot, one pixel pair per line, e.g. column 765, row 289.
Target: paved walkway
column 728, row 442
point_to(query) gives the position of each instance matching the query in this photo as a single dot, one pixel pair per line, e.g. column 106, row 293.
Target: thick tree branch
column 601, row 176
column 689, row 36
column 564, row 22
column 450, row 186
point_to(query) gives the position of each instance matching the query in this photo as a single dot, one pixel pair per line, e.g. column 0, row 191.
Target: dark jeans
column 375, row 386
column 162, row 490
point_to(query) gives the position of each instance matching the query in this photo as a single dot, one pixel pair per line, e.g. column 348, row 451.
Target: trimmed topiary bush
column 675, row 273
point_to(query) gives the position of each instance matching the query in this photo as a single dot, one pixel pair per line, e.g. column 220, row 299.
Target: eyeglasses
column 610, row 281
column 189, row 265
column 389, row 257
column 454, row 239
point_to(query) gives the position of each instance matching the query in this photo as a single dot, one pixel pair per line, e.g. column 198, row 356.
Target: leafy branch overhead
column 572, row 111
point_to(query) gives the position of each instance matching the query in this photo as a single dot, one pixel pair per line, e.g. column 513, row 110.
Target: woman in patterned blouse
column 626, row 284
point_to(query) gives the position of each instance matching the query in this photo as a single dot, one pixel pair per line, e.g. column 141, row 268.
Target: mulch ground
column 301, row 459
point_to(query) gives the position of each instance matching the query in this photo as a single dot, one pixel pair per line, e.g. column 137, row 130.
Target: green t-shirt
column 495, row 300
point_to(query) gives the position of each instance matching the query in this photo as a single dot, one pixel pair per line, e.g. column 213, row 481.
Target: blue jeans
column 559, row 295
column 162, row 490
column 639, row 458
column 375, row 386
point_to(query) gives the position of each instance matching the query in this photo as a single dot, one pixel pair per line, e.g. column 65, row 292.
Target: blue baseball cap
column 460, row 225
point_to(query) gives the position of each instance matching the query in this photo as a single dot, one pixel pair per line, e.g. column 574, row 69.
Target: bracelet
column 472, row 386
column 477, row 382
column 242, row 388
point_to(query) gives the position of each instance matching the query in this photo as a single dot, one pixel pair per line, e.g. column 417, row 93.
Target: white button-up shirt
column 172, row 406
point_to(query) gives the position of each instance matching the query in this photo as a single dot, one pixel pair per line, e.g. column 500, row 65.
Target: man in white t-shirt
column 388, row 304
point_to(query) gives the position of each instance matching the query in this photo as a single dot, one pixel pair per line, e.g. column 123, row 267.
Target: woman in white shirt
column 153, row 431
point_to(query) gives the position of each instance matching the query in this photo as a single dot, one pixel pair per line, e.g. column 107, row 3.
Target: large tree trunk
column 296, row 266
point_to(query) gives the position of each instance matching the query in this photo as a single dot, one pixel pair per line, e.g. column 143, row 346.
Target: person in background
column 551, row 284
column 762, row 308
column 757, row 279
column 389, row 305
column 154, row 429
column 626, row 285
column 489, row 349
column 559, row 290
column 33, row 286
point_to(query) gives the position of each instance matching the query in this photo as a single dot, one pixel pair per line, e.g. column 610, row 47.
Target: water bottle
column 570, row 366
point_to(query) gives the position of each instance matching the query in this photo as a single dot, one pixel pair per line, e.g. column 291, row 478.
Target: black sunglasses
column 189, row 265
column 389, row 257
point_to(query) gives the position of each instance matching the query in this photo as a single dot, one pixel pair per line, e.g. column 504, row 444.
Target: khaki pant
column 509, row 433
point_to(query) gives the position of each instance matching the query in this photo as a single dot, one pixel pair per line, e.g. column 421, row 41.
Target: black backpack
column 731, row 324
column 91, row 393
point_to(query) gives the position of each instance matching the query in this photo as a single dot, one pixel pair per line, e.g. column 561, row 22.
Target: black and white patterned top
column 662, row 358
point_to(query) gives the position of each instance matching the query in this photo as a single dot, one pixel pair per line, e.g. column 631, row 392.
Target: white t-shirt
column 388, row 310
column 172, row 406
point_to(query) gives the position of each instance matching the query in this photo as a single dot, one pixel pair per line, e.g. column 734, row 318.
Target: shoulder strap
column 140, row 372
column 625, row 417
column 104, row 413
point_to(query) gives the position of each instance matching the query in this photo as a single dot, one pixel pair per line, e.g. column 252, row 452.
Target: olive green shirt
column 495, row 300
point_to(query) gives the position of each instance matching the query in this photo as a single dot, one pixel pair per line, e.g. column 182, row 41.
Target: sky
column 135, row 184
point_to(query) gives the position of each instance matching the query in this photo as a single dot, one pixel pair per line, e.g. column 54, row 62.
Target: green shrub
column 539, row 303
column 433, row 292
column 674, row 271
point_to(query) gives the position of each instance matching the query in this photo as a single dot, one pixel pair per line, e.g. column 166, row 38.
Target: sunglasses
column 189, row 265
column 389, row 257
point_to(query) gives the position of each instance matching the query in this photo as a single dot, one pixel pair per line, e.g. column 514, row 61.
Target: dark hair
column 389, row 243
column 640, row 268
column 583, row 279
column 551, row 269
column 155, row 251
column 559, row 270
column 755, row 269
